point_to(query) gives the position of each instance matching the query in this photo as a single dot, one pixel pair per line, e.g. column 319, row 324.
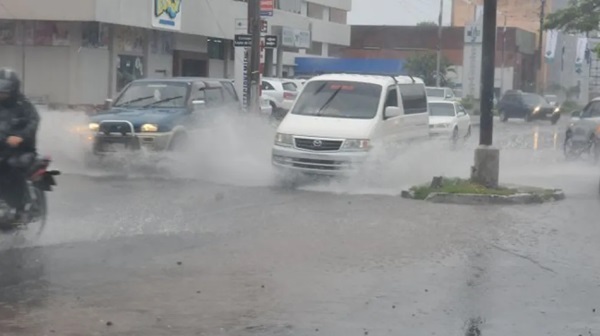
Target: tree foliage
column 427, row 24
column 580, row 16
column 424, row 66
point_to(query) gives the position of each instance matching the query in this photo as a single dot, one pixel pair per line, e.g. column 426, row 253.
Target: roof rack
column 383, row 74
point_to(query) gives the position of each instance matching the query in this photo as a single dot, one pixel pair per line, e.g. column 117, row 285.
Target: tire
column 468, row 135
column 503, row 116
column 568, row 150
column 179, row 143
column 39, row 211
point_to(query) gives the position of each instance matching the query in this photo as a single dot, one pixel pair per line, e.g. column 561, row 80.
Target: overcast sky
column 397, row 12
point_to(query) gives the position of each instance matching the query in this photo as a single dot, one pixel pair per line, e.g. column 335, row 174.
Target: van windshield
column 339, row 99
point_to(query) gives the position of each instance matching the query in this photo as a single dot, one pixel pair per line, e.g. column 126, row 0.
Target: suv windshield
column 435, row 93
column 533, row 99
column 441, row 110
column 339, row 99
column 153, row 94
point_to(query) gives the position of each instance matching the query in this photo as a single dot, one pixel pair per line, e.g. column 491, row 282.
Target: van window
column 392, row 97
column 339, row 99
column 414, row 98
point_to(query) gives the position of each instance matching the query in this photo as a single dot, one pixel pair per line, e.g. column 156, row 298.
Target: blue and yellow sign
column 167, row 14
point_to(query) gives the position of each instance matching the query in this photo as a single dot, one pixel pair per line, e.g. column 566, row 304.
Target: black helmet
column 9, row 81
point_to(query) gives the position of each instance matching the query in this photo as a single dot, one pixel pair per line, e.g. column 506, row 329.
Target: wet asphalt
column 140, row 255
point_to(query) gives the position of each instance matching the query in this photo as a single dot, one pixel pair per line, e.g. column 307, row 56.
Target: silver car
column 583, row 134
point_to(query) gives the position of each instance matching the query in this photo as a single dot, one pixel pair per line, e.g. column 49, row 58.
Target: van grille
column 318, row 144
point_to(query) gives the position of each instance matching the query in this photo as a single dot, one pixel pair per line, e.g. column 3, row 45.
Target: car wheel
column 468, row 135
column 503, row 116
column 179, row 143
column 569, row 150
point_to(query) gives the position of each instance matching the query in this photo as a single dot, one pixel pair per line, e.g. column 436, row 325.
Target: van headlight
column 536, row 110
column 356, row 144
column 285, row 140
column 557, row 110
column 94, row 127
column 149, row 128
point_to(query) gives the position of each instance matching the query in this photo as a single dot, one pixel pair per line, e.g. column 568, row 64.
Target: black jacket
column 19, row 117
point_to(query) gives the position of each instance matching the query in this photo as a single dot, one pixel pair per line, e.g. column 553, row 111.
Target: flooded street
column 196, row 255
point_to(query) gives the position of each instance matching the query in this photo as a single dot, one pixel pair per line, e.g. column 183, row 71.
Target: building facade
column 515, row 56
column 81, row 52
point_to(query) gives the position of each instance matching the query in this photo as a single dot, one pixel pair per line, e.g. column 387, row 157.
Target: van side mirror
column 108, row 103
column 392, row 112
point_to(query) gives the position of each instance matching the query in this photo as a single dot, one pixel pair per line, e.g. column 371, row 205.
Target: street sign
column 267, row 7
column 271, row 41
column 242, row 40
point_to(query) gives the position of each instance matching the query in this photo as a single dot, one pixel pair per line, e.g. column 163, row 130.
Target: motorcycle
column 39, row 181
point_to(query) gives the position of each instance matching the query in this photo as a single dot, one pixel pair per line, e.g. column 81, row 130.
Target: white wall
column 340, row 4
column 160, row 62
column 92, row 78
column 58, row 10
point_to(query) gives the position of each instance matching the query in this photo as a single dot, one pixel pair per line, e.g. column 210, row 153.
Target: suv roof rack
column 383, row 74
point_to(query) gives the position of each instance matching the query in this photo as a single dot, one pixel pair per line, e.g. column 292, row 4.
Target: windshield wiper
column 125, row 104
column 162, row 101
column 329, row 100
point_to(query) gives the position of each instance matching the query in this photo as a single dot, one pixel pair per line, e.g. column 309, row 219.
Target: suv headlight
column 149, row 128
column 556, row 110
column 356, row 144
column 94, row 127
column 285, row 140
column 536, row 110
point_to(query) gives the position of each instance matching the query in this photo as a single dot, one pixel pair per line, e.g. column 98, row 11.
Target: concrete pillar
column 280, row 62
column 146, row 63
column 112, row 59
column 486, row 170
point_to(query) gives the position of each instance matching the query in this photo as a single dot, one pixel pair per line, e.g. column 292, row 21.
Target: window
column 229, row 92
column 592, row 110
column 214, row 96
column 267, row 86
column 440, row 109
column 315, row 11
column 338, row 15
column 414, row 98
column 392, row 97
column 289, row 86
column 316, row 48
column 339, row 99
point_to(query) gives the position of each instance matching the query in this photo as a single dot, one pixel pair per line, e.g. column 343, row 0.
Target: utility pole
column 487, row 159
column 540, row 42
column 439, row 47
column 253, row 75
column 503, row 56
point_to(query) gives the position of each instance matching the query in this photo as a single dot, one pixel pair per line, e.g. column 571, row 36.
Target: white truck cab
column 339, row 118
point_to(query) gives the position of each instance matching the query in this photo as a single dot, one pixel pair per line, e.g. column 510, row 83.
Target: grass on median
column 459, row 186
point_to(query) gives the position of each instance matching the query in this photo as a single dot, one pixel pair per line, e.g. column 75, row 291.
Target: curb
column 475, row 199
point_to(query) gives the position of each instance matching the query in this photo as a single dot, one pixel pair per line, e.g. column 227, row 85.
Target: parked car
column 159, row 115
column 265, row 106
column 449, row 119
column 528, row 106
column 281, row 94
column 441, row 93
column 583, row 134
column 339, row 118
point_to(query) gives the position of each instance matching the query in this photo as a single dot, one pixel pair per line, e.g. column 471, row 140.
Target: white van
column 339, row 118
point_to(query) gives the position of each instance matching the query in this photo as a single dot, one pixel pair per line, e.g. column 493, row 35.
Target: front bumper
column 105, row 144
column 309, row 162
column 437, row 133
